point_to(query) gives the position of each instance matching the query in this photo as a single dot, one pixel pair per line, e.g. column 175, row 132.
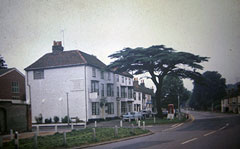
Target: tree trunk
column 158, row 101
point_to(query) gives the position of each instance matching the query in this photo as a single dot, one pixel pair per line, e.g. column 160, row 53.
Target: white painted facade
column 138, row 103
column 48, row 96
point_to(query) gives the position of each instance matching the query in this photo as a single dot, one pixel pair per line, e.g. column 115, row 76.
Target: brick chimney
column 135, row 82
column 142, row 83
column 57, row 47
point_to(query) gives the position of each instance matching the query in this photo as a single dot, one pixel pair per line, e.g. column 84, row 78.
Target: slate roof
column 5, row 70
column 65, row 59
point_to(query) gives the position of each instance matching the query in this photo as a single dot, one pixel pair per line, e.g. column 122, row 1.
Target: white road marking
column 178, row 125
column 209, row 133
column 193, row 139
column 174, row 125
column 224, row 127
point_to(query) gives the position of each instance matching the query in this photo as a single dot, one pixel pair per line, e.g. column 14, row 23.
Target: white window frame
column 15, row 87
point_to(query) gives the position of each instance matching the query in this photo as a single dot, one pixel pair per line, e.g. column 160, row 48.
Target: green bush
column 39, row 118
column 56, row 119
column 65, row 119
column 47, row 121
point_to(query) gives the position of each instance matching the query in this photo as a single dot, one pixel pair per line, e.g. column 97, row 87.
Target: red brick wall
column 6, row 85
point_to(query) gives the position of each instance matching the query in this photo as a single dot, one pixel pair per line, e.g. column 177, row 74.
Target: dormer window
column 38, row 74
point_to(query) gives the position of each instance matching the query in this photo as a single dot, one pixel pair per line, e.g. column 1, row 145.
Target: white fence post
column 35, row 141
column 94, row 134
column 72, row 126
column 16, row 141
column 116, row 131
column 37, row 130
column 64, row 138
column 143, row 125
column 56, row 128
column 11, row 134
column 95, row 124
column 139, row 123
column 121, row 123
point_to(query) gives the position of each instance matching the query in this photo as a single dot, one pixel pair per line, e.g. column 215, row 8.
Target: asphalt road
column 208, row 131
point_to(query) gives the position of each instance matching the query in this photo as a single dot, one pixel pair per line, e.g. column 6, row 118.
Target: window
column 122, row 79
column 102, row 74
column 129, row 92
column 15, row 87
column 129, row 81
column 102, row 91
column 123, row 93
column 94, row 87
column 139, row 96
column 95, row 108
column 134, row 95
column 110, row 108
column 38, row 74
column 15, row 97
column 94, row 72
column 117, row 76
column 110, row 91
column 109, row 76
column 117, row 91
column 123, row 107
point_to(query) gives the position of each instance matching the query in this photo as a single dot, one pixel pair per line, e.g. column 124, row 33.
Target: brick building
column 14, row 112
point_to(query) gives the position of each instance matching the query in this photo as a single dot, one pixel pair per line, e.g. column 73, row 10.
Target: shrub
column 39, row 118
column 79, row 121
column 65, row 119
column 56, row 119
column 48, row 120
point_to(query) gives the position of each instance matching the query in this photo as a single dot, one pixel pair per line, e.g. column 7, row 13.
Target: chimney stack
column 142, row 83
column 135, row 82
column 57, row 47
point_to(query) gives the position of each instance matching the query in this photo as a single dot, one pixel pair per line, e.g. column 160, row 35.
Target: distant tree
column 158, row 61
column 209, row 94
column 3, row 64
column 171, row 89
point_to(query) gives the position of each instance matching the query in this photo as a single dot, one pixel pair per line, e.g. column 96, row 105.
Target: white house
column 142, row 96
column 74, row 83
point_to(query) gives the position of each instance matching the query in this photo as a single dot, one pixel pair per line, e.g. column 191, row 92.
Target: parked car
column 132, row 115
column 146, row 113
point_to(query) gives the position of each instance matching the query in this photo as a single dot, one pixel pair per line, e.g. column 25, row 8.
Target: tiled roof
column 64, row 59
column 5, row 70
column 140, row 88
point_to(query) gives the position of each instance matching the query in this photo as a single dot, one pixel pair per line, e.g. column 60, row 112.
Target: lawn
column 159, row 121
column 76, row 138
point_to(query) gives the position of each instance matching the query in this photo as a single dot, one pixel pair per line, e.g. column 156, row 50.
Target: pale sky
column 204, row 27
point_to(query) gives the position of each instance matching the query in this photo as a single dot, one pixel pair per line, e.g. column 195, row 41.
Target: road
column 208, row 131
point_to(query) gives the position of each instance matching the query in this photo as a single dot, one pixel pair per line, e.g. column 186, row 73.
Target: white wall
column 48, row 95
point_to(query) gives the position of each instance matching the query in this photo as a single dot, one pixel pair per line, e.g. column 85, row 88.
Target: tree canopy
column 3, row 64
column 158, row 61
column 208, row 94
column 172, row 88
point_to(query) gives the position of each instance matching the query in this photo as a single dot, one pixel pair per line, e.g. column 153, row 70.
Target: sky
column 102, row 27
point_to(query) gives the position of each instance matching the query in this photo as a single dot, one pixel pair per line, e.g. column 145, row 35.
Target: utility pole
column 178, row 108
column 67, row 108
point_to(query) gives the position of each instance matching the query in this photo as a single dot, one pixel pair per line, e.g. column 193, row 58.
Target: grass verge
column 76, row 138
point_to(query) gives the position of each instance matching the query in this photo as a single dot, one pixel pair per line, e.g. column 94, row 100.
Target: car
column 146, row 113
column 132, row 115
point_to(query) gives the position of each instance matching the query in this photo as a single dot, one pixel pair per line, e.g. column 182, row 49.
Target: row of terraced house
column 77, row 84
